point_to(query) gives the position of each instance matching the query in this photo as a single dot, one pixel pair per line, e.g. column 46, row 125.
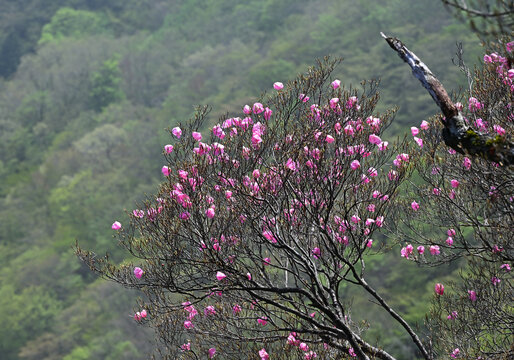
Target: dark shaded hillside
column 82, row 126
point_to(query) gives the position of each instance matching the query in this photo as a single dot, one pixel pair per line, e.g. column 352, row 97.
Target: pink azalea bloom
column 247, row 109
column 209, row 310
column 466, row 163
column 509, row 46
column 185, row 215
column 474, row 104
column 379, row 221
column 137, row 316
column 439, row 289
column 414, row 130
column 451, row 232
column 138, row 272
column 138, row 213
column 383, row 145
column 453, row 315
column 499, row 130
column 257, row 108
column 455, row 353
column 506, row 267
column 143, row 313
column 316, row 252
column 421, row 249
column 262, row 353
column 262, row 321
column 352, row 352
column 424, row 125
column 116, row 225
column 278, row 86
column 449, row 241
column 418, row 141
column 434, row 250
column 488, row 59
column 290, row 164
column 336, row 84
column 371, row 207
column 495, row 280
column 220, row 276
column 168, row 148
column 266, row 261
column 212, row 351
column 303, row 97
column 188, row 324
column 355, row 164
column 436, row 191
column 197, row 136
column 177, row 132
column 369, row 244
column 249, row 276
column 310, row 355
column 236, row 309
column 267, row 113
column 210, row 213
column 329, row 139
column 352, row 100
column 228, row 194
column 304, row 347
column 455, row 183
column 374, row 139
column 186, row 347
column 472, row 295
column 166, row 171
column 415, row 206
column 406, row 251
column 510, row 73
column 333, row 102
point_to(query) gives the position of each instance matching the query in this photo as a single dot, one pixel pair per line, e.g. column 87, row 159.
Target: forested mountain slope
column 83, row 119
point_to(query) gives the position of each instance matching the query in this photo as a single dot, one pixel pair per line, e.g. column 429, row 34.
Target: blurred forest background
column 87, row 89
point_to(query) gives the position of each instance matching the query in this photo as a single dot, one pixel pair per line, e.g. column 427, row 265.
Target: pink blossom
column 421, row 249
column 355, row 164
column 371, row 207
column 168, row 148
column 374, row 139
column 290, row 164
column 455, row 353
column 278, row 86
column 415, row 206
column 236, row 309
column 212, row 351
column 379, row 221
column 406, row 251
column 499, row 130
column 186, row 347
column 166, row 171
column 509, row 46
column 210, row 212
column 436, row 191
column 333, row 102
column 257, row 108
column 455, row 183
column 185, row 215
column 383, row 145
column 209, row 310
column 267, row 113
column 177, row 132
column 143, row 313
column 349, row 130
column 304, row 347
column 434, row 250
column 369, row 244
column 472, row 295
column 262, row 353
column 488, row 59
column 439, row 289
column 424, row 125
column 336, row 84
column 414, row 130
column 316, row 252
column 474, row 104
column 138, row 213
column 495, row 280
column 506, row 267
column 329, row 139
column 352, row 100
column 197, row 136
column 220, row 276
column 449, row 241
column 310, row 355
column 418, row 141
column 453, row 315
column 138, row 272
column 247, row 109
column 249, row 276
column 137, row 316
column 188, row 324
column 352, row 352
column 228, row 194
column 466, row 163
column 510, row 73
column 262, row 321
column 303, row 98
column 116, row 225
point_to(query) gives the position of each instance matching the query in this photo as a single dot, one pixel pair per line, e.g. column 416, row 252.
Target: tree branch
column 456, row 133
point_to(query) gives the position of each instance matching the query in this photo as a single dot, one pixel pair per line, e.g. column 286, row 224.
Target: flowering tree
column 262, row 223
column 466, row 207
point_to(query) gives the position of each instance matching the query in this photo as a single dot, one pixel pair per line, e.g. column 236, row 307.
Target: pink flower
column 316, row 252
column 177, row 132
column 495, row 280
column 310, row 355
column 336, row 84
column 436, row 191
column 266, row 261
column 499, row 130
column 249, row 276
column 290, row 164
column 415, row 206
column 247, row 109
column 449, row 241
column 355, row 164
column 116, row 225
column 278, row 86
column 352, row 352
column 488, row 59
column 414, row 130
column 210, row 213
column 197, row 136
column 212, row 351
column 474, row 104
column 267, row 113
column 188, row 324
column 303, row 98
column 304, row 347
column 220, row 276
column 166, row 171
column 453, row 315
column 333, row 102
column 228, row 194
column 329, row 139
column 466, row 163
column 421, row 249
column 236, row 309
column 138, row 272
column 374, row 139
column 455, row 183
column 257, row 108
column 509, row 46
column 506, row 267
column 418, row 141
column 383, row 145
column 168, row 148
column 137, row 316
column 262, row 353
column 209, row 310
column 262, row 321
column 424, row 125
column 186, row 347
column 185, row 215
column 455, row 353
column 406, row 251
column 369, row 244
column 439, row 289
column 472, row 295
column 510, row 73
column 143, row 313
column 434, row 250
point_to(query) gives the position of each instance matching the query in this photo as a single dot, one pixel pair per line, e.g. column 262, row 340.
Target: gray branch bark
column 456, row 133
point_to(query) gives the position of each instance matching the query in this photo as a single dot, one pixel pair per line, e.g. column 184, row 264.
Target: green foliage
column 106, row 85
